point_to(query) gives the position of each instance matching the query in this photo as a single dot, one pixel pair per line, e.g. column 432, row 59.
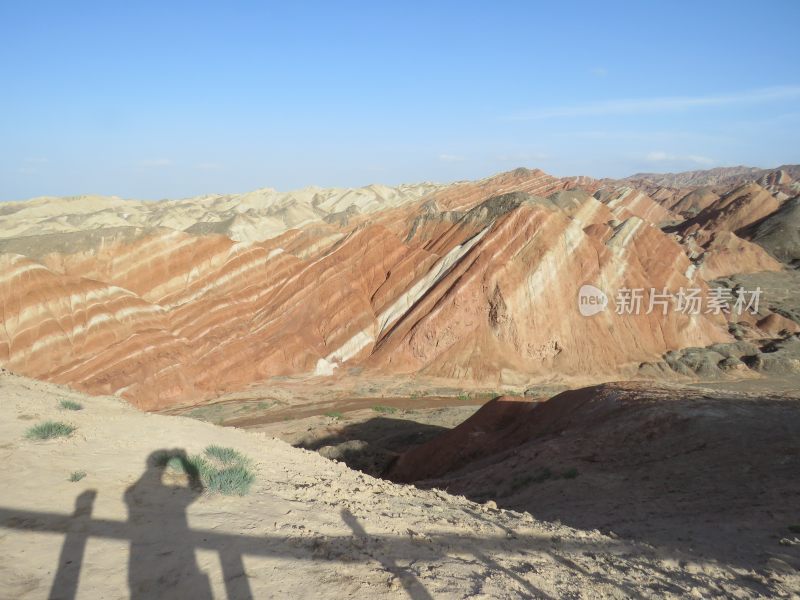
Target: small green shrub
column 384, row 410
column 227, row 456
column 230, row 481
column 220, row 469
column 77, row 476
column 48, row 430
column 794, row 528
column 70, row 405
column 463, row 396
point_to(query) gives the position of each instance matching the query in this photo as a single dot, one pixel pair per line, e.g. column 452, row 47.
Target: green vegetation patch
column 225, row 456
column 70, row 405
column 384, row 410
column 211, row 414
column 334, row 414
column 219, row 469
column 48, row 430
column 77, row 476
column 230, row 481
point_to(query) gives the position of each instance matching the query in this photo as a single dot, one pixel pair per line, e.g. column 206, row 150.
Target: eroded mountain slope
column 473, row 281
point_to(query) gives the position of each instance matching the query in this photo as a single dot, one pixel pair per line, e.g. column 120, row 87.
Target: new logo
column 591, row 300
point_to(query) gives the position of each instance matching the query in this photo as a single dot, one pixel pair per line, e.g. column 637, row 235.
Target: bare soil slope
column 711, row 474
column 310, row 528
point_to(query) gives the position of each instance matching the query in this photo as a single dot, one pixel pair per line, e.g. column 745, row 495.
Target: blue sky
column 171, row 99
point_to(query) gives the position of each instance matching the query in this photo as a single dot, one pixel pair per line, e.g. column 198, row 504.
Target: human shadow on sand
column 163, row 564
column 162, row 561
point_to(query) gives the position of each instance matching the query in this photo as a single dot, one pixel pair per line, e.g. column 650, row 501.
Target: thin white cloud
column 666, row 157
column 663, row 104
column 599, row 71
column 157, row 163
column 451, row 158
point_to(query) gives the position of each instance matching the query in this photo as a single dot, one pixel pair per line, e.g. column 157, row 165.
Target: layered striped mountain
column 175, row 302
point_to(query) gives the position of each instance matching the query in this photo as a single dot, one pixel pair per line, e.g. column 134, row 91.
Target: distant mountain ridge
column 721, row 176
column 247, row 217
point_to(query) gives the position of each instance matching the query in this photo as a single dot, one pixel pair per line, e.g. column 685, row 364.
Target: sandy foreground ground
column 310, row 527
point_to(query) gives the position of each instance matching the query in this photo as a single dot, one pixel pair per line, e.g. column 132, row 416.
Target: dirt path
column 379, row 405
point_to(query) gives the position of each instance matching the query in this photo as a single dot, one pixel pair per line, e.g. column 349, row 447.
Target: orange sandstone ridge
column 174, row 302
